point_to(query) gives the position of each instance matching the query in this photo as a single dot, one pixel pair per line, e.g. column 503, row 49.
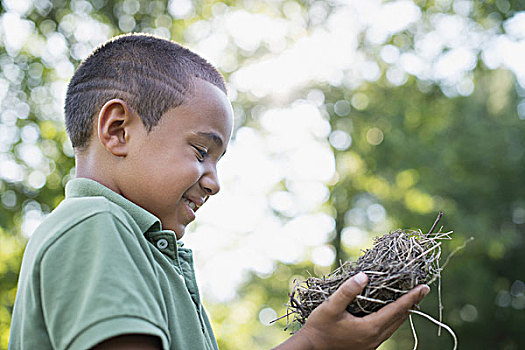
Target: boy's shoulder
column 77, row 216
column 73, row 211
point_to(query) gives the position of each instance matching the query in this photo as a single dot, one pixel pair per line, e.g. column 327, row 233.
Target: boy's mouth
column 193, row 206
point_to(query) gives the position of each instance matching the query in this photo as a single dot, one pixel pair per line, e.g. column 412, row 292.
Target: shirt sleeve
column 97, row 282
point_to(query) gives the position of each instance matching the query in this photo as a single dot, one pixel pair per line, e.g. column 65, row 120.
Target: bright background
column 352, row 118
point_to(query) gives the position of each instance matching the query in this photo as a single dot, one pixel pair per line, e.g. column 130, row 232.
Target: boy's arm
column 330, row 326
column 95, row 284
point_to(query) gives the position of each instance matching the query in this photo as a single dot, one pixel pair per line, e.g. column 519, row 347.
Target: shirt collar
column 82, row 187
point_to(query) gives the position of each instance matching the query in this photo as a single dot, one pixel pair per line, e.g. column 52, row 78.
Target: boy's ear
column 114, row 119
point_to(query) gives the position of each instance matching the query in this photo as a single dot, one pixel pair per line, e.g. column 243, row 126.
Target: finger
column 398, row 310
column 391, row 328
column 347, row 292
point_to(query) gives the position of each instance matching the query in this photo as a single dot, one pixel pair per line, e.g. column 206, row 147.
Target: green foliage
column 463, row 156
column 11, row 250
column 242, row 322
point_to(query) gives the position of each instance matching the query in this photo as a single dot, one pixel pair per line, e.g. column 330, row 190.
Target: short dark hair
column 151, row 74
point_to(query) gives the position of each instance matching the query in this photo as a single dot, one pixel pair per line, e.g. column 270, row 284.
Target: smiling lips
column 193, row 206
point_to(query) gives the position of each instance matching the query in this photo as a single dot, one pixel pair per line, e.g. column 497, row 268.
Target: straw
column 396, row 263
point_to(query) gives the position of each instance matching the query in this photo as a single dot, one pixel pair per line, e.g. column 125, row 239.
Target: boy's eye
column 201, row 153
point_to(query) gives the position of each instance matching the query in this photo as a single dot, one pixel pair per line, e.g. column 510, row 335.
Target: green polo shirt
column 100, row 266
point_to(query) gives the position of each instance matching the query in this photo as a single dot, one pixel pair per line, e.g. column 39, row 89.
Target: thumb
column 348, row 291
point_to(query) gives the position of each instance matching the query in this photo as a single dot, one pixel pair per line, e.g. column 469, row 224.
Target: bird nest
column 397, row 262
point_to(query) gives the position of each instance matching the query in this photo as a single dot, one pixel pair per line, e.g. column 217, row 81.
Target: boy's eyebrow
column 213, row 137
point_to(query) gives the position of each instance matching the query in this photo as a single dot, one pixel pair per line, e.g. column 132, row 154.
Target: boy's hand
column 330, row 326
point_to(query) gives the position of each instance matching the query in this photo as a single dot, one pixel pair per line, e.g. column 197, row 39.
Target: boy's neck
column 89, row 166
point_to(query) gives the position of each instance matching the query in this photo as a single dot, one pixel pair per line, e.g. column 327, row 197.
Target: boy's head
column 151, row 74
column 150, row 119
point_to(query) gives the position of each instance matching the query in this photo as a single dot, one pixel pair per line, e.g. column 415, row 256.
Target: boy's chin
column 177, row 228
column 179, row 235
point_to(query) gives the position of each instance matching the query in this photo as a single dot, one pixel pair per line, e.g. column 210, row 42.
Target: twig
column 440, row 307
column 439, row 324
column 435, row 223
column 456, row 250
column 396, row 263
column 413, row 331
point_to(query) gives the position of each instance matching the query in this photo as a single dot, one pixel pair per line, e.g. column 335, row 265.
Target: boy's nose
column 210, row 182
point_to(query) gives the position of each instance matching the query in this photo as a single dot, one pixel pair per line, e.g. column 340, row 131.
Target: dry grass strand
column 397, row 262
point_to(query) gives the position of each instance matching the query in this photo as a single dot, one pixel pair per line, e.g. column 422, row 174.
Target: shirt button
column 162, row 243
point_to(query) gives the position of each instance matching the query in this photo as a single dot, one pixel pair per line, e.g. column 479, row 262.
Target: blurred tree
column 420, row 152
column 406, row 145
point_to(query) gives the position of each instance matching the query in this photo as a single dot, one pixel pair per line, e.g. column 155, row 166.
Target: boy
column 149, row 120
